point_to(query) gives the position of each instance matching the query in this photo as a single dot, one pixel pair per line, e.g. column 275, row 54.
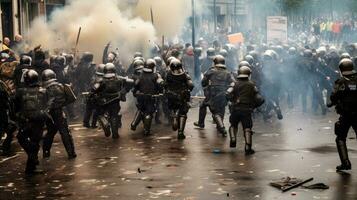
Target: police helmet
column 109, row 70
column 219, row 61
column 31, row 77
column 244, row 72
column 346, row 67
column 150, row 65
column 48, row 75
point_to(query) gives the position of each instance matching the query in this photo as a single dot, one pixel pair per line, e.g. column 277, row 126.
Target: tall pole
column 214, row 15
column 331, row 10
column 195, row 65
column 235, row 17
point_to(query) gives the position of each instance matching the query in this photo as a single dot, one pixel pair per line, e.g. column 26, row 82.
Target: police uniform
column 344, row 97
column 178, row 85
column 146, row 87
column 56, row 94
column 110, row 91
column 245, row 98
column 30, row 104
column 218, row 80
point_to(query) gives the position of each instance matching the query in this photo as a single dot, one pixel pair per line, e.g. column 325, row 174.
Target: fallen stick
column 287, row 188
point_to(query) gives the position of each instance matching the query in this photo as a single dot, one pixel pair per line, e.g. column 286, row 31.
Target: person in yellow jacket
column 6, row 44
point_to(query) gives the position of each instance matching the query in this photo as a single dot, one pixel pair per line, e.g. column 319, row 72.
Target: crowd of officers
column 38, row 94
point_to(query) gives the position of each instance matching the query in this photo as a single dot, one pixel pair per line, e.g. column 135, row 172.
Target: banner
column 277, row 29
column 236, row 38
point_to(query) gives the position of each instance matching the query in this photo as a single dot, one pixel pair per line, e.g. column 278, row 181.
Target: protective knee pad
column 233, row 133
column 182, row 123
column 219, row 121
column 147, row 122
column 137, row 119
column 248, row 133
column 104, row 123
column 174, row 120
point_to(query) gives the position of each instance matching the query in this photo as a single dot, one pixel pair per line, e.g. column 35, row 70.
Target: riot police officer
column 84, row 73
column 218, row 81
column 58, row 98
column 25, row 63
column 344, row 98
column 110, row 91
column 245, row 98
column 31, row 104
column 207, row 62
column 92, row 109
column 178, row 85
column 39, row 61
column 58, row 67
column 161, row 101
column 146, row 89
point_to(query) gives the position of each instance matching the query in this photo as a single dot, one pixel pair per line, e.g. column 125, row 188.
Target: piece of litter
column 273, row 170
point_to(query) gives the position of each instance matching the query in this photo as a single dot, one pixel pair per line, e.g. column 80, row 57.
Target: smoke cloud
column 127, row 28
column 169, row 16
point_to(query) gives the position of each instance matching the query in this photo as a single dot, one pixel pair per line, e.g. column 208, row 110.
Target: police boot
column 233, row 137
column 103, row 121
column 32, row 162
column 248, row 142
column 47, row 144
column 343, row 153
column 95, row 119
column 114, row 124
column 182, row 125
column 86, row 118
column 174, row 121
column 220, row 125
column 201, row 117
column 68, row 143
column 46, row 153
column 46, row 147
column 147, row 124
column 6, row 145
column 136, row 120
column 157, row 117
column 120, row 124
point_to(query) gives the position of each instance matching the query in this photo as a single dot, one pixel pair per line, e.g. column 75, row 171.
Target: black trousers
column 29, row 137
column 343, row 125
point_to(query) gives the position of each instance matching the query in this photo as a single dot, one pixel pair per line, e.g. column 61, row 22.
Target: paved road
column 201, row 167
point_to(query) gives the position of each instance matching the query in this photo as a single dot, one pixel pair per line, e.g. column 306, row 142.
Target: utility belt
column 108, row 99
column 240, row 107
column 28, row 116
column 183, row 95
column 346, row 110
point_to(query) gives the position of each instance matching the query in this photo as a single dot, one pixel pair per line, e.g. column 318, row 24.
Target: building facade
column 17, row 15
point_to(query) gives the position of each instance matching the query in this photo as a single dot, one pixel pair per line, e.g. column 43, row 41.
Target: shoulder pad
column 96, row 86
column 42, row 90
column 188, row 76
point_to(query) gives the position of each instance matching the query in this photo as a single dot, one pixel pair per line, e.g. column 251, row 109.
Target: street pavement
column 200, row 167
